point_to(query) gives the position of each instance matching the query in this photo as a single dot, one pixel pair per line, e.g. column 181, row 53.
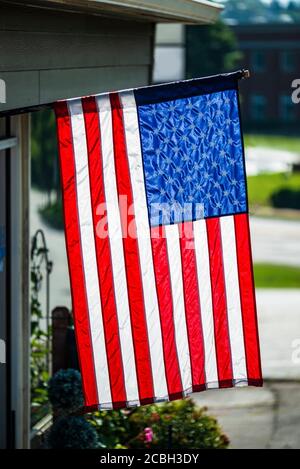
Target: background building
column 263, row 37
column 272, row 53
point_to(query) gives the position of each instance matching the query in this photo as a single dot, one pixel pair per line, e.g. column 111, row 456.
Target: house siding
column 47, row 55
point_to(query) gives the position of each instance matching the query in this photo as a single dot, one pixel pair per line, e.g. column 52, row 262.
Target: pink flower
column 148, row 434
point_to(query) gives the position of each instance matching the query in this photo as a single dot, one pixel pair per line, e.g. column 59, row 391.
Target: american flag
column 158, row 243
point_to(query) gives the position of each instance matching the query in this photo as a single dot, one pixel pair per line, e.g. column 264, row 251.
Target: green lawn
column 280, row 142
column 276, row 276
column 261, row 187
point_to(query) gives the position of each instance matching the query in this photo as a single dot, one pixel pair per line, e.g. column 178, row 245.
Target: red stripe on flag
column 102, row 245
column 222, row 340
column 131, row 255
column 247, row 294
column 165, row 303
column 192, row 305
column 73, row 246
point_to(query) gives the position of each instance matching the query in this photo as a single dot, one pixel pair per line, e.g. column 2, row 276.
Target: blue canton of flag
column 193, row 156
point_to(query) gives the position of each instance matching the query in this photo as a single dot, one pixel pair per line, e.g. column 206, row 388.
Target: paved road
column 271, row 160
column 275, row 241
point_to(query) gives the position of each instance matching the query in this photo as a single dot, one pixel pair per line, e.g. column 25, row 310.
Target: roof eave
column 174, row 11
column 183, row 11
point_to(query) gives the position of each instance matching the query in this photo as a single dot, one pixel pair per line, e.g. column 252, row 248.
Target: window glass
column 258, row 61
column 287, row 61
column 258, row 107
column 286, row 108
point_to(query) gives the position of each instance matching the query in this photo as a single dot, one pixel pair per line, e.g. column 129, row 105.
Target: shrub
column 286, row 198
column 144, row 427
column 73, row 433
column 112, row 427
column 65, row 391
column 191, row 427
column 149, row 427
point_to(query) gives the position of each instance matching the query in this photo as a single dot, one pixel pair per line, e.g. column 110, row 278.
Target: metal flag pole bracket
column 245, row 73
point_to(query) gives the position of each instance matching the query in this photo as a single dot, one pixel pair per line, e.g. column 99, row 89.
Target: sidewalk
column 266, row 417
column 279, row 327
column 260, row 418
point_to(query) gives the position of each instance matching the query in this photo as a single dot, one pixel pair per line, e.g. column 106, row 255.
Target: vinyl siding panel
column 40, row 51
column 89, row 81
column 47, row 55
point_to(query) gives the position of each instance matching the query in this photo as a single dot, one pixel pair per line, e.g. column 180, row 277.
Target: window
column 258, row 61
column 286, row 108
column 287, row 61
column 258, row 107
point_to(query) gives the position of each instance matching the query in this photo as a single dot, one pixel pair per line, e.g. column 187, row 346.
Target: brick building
column 272, row 53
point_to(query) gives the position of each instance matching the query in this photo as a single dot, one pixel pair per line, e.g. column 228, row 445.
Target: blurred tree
column 243, row 11
column 292, row 5
column 210, row 50
column 257, row 11
column 44, row 157
column 275, row 6
column 293, row 9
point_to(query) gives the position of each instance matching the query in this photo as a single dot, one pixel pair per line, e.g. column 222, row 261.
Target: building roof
column 184, row 11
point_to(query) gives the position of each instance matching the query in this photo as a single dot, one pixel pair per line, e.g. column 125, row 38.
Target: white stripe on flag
column 234, row 312
column 88, row 250
column 117, row 253
column 131, row 127
column 174, row 257
column 204, row 283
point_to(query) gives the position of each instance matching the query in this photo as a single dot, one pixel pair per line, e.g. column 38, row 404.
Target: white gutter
column 192, row 11
column 176, row 11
